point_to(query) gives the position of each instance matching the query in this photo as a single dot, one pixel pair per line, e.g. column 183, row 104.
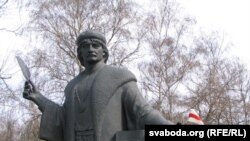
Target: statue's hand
column 30, row 91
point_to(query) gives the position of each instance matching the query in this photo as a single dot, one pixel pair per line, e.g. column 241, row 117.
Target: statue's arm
column 31, row 93
column 138, row 111
column 41, row 101
column 52, row 121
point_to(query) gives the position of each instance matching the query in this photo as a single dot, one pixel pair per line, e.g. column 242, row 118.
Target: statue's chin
column 92, row 61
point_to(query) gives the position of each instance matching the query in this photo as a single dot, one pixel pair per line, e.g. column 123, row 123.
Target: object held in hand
column 24, row 68
column 26, row 73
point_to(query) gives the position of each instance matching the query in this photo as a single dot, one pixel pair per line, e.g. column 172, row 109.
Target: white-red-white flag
column 194, row 118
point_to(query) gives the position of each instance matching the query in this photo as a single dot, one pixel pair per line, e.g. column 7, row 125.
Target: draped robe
column 116, row 105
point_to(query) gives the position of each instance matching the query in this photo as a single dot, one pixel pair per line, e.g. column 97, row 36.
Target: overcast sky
column 229, row 17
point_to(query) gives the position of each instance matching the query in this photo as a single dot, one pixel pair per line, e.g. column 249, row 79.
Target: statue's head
column 93, row 36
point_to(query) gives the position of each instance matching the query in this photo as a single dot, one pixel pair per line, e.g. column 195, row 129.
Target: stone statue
column 99, row 103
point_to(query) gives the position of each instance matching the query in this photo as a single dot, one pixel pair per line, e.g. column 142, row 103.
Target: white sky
column 229, row 17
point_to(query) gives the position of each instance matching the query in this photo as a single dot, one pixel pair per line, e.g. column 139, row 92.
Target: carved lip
column 91, row 55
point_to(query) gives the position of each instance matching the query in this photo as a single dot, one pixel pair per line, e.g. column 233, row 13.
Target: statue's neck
column 93, row 68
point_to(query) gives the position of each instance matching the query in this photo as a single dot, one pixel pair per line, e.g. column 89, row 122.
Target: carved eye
column 96, row 45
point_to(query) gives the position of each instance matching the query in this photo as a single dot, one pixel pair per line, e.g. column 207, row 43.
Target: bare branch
column 3, row 4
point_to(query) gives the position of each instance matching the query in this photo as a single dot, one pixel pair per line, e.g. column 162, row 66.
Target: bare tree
column 243, row 87
column 219, row 87
column 182, row 74
column 5, row 7
column 59, row 22
column 178, row 74
column 8, row 128
column 171, row 59
column 30, row 131
column 7, row 92
column 3, row 4
column 56, row 24
column 3, row 75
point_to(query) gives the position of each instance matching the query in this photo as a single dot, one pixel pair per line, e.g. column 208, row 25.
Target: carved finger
column 25, row 94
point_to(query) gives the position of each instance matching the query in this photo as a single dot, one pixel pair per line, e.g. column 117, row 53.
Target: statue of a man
column 100, row 102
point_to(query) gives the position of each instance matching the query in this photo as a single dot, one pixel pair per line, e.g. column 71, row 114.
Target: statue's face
column 91, row 51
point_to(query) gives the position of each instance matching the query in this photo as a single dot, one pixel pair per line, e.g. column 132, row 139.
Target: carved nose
column 91, row 47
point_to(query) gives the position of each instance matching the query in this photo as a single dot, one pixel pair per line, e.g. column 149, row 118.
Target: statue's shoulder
column 76, row 78
column 117, row 72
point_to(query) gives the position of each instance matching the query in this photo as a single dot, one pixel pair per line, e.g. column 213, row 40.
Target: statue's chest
column 83, row 90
